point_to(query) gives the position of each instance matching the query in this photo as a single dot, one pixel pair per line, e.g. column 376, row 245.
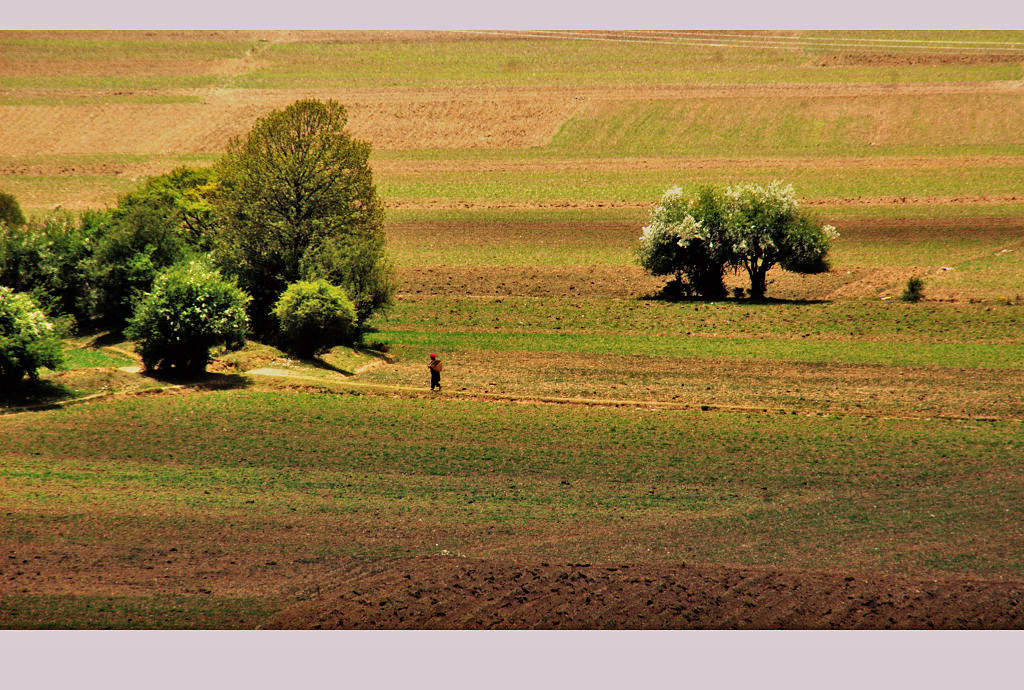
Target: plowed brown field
column 437, row 118
column 456, row 593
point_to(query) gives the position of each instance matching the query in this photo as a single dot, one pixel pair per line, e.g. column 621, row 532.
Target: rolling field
column 834, row 457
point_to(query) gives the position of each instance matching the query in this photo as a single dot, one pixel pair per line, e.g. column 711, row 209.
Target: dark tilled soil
column 456, row 593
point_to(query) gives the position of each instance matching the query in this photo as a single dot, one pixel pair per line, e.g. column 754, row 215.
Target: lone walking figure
column 435, row 367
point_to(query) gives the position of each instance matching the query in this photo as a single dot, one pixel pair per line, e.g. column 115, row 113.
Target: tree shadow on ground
column 672, row 293
column 207, row 381
column 105, row 338
column 41, row 394
column 764, row 302
column 321, row 363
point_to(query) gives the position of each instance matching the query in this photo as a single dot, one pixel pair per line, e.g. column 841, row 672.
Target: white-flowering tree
column 766, row 228
column 687, row 236
column 191, row 309
column 28, row 340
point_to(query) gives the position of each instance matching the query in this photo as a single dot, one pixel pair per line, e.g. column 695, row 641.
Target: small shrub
column 183, row 196
column 914, row 291
column 358, row 265
column 315, row 316
column 10, row 211
column 191, row 309
column 28, row 340
column 738, row 292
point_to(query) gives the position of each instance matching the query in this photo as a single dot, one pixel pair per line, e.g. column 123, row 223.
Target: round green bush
column 315, row 316
column 190, row 309
column 10, row 211
column 27, row 340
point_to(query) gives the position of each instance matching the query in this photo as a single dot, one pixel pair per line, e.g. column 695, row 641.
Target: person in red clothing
column 435, row 372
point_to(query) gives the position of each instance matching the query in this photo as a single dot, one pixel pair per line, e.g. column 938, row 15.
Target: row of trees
column 204, row 256
column 748, row 226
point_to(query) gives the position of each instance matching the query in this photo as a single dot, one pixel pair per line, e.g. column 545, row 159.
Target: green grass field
column 247, row 495
column 569, row 62
column 834, row 427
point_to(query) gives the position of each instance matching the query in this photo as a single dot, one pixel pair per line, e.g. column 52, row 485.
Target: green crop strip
column 976, row 355
column 763, row 488
column 892, row 321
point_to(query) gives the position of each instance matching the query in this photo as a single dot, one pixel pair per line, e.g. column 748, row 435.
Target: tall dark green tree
column 50, row 258
column 295, row 200
column 137, row 239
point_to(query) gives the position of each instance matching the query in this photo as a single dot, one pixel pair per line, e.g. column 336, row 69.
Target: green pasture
column 982, row 260
column 969, row 355
column 818, row 492
column 560, row 62
column 140, row 612
column 103, row 81
column 646, row 186
column 91, row 358
column 615, row 186
column 797, row 125
column 999, row 272
column 638, row 215
column 100, row 98
column 841, row 320
column 82, row 46
column 155, row 62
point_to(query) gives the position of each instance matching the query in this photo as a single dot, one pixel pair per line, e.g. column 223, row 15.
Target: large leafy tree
column 137, row 239
column 296, row 200
column 753, row 226
column 687, row 236
column 766, row 228
column 183, row 196
column 50, row 258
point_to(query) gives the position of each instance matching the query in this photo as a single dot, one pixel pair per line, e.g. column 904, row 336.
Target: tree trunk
column 758, row 286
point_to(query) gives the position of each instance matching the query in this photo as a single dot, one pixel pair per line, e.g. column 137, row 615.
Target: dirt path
column 333, row 384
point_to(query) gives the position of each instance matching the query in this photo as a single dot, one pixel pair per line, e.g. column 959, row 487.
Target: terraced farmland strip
column 1008, row 356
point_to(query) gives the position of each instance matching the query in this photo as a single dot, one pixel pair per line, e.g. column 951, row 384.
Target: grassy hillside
column 582, row 418
column 219, row 526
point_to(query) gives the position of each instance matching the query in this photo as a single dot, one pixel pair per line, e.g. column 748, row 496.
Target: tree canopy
column 687, row 235
column 750, row 226
column 296, row 183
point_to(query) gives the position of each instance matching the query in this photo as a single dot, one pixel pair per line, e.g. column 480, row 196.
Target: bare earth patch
column 405, row 120
column 722, row 383
column 458, row 593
